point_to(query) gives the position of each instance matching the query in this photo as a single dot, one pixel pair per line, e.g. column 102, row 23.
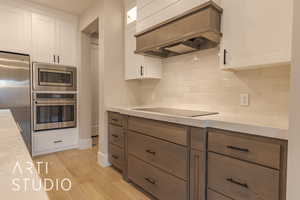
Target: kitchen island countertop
column 15, row 162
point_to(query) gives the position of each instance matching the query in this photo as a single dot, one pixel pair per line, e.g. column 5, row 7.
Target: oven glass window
column 55, row 114
column 55, row 78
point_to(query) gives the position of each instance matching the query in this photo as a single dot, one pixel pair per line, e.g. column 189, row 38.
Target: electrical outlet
column 244, row 99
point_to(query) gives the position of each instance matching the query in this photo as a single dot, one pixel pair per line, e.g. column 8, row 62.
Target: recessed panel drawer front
column 198, row 138
column 164, row 155
column 117, row 156
column 211, row 195
column 260, row 152
column 166, row 131
column 53, row 140
column 116, row 135
column 242, row 180
column 116, row 118
column 160, row 184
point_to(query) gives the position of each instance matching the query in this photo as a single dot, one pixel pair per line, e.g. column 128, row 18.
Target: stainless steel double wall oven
column 54, row 97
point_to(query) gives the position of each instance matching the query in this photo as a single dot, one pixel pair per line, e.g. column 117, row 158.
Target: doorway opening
column 90, row 81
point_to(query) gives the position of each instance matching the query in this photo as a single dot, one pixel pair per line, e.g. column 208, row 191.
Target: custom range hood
column 194, row 30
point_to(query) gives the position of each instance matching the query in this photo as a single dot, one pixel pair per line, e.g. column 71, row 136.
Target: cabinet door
column 138, row 66
column 15, row 26
column 256, row 33
column 43, row 38
column 197, row 175
column 66, row 41
column 151, row 68
column 132, row 60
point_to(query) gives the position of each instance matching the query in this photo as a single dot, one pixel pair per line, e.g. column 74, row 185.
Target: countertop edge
column 257, row 130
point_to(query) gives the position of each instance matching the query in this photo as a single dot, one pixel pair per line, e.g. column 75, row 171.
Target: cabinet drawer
column 116, row 156
column 198, row 138
column 211, row 195
column 166, row 131
column 116, row 118
column 242, row 180
column 165, row 155
column 160, row 184
column 50, row 141
column 116, row 135
column 253, row 150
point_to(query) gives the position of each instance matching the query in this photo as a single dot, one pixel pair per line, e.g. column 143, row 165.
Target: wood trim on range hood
column 198, row 28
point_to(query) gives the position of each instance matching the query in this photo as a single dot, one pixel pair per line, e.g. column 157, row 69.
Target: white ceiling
column 71, row 6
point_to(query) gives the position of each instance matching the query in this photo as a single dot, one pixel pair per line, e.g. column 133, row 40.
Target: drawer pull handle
column 150, row 180
column 58, row 141
column 115, row 136
column 238, row 149
column 115, row 157
column 114, row 120
column 245, row 185
column 151, row 152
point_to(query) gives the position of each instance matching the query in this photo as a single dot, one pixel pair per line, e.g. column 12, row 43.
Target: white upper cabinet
column 152, row 12
column 54, row 40
column 138, row 66
column 43, row 38
column 15, row 29
column 132, row 70
column 255, row 33
column 150, row 68
column 66, row 42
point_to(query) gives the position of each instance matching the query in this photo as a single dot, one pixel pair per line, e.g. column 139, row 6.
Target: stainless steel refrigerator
column 15, row 88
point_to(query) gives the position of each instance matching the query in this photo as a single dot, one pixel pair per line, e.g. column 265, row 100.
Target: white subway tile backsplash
column 200, row 84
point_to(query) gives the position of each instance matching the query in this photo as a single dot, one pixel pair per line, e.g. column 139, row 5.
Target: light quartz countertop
column 12, row 151
column 249, row 124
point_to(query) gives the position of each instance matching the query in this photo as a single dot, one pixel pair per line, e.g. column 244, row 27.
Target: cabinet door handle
column 231, row 180
column 115, row 157
column 58, row 59
column 114, row 120
column 58, row 141
column 54, row 58
column 150, row 180
column 151, row 152
column 142, row 71
column 238, row 149
column 225, row 57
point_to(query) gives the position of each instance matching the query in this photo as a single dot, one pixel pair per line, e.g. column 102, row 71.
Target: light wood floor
column 89, row 180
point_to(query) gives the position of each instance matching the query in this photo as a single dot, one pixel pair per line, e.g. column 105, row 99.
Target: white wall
column 113, row 90
column 294, row 136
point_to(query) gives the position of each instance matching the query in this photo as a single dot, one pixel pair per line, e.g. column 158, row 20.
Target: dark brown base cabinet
column 197, row 175
column 246, row 167
column 198, row 164
column 176, row 162
column 116, row 138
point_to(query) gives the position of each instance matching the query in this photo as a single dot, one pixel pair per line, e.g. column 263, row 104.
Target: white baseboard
column 85, row 143
column 103, row 160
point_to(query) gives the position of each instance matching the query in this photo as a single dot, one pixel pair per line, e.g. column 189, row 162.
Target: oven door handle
column 55, row 103
column 55, row 71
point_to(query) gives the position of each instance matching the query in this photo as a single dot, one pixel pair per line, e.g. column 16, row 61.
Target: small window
column 131, row 15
